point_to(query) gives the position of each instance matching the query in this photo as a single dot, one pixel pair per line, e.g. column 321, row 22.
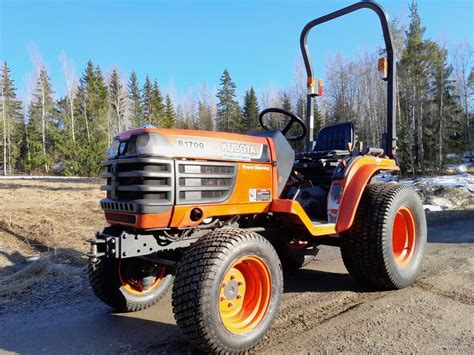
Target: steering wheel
column 284, row 131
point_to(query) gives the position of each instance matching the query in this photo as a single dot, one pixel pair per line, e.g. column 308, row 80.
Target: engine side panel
column 252, row 194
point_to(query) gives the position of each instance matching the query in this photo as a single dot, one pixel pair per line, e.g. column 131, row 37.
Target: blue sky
column 183, row 43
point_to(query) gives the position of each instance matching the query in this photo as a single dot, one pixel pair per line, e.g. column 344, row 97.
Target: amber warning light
column 315, row 87
column 382, row 67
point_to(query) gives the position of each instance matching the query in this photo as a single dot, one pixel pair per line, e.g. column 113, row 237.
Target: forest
column 70, row 135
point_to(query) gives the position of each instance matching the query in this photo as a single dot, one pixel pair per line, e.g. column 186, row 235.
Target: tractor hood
column 189, row 144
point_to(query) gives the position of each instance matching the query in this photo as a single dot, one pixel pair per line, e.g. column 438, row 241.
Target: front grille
column 204, row 182
column 117, row 206
column 137, row 180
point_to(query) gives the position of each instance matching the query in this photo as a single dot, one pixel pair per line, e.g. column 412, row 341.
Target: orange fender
column 354, row 183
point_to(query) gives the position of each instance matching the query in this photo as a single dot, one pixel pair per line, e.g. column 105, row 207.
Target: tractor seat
column 332, row 140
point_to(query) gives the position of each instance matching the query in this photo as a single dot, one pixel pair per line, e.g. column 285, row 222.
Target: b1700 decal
column 215, row 148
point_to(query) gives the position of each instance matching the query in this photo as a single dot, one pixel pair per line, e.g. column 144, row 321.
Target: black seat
column 332, row 140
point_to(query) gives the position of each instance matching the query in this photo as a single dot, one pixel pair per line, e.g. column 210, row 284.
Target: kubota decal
column 216, row 148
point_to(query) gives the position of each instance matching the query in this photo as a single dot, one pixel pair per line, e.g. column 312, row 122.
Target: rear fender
column 356, row 179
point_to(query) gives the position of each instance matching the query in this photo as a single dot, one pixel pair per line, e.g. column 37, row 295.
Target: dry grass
column 16, row 283
column 38, row 217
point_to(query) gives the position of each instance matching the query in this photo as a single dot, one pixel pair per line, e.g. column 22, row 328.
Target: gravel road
column 322, row 310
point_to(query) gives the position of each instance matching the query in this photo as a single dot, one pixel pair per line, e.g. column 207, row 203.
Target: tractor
column 219, row 216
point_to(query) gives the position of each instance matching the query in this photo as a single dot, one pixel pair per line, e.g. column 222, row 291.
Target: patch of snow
column 431, row 208
column 458, row 180
column 439, row 201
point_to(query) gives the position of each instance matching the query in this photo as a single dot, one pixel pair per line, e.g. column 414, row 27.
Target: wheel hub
column 231, row 290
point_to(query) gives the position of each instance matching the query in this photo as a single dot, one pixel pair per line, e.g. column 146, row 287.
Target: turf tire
column 366, row 248
column 105, row 282
column 197, row 285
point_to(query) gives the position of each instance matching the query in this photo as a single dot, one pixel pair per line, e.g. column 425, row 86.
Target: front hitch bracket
column 123, row 246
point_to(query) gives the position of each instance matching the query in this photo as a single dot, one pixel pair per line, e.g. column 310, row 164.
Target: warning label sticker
column 259, row 195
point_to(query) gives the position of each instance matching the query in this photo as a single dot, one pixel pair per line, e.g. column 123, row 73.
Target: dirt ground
column 46, row 304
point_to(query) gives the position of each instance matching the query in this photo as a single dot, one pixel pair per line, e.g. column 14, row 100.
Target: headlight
column 151, row 143
column 113, row 150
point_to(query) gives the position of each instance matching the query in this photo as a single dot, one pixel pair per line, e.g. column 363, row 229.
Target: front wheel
column 385, row 246
column 129, row 285
column 227, row 291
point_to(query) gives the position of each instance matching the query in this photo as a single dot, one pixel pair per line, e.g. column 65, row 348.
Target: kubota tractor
column 220, row 215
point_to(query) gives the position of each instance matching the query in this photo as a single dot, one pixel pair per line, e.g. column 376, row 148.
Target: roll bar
column 390, row 136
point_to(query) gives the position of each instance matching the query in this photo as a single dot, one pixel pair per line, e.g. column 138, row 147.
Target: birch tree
column 72, row 83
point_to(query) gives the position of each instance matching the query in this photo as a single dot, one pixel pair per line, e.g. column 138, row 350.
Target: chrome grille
column 132, row 181
column 204, row 182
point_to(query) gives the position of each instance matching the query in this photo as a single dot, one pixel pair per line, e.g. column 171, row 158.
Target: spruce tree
column 229, row 117
column 100, row 108
column 117, row 103
column 169, row 114
column 250, row 111
column 414, row 75
column 318, row 119
column 444, row 129
column 205, row 116
column 41, row 123
column 136, row 112
column 86, row 86
column 157, row 106
column 12, row 121
column 286, row 102
column 94, row 134
column 147, row 101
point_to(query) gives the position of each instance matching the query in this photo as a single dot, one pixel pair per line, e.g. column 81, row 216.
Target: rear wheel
column 385, row 246
column 227, row 291
column 129, row 285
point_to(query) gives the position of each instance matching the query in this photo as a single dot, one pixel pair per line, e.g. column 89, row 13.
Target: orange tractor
column 219, row 216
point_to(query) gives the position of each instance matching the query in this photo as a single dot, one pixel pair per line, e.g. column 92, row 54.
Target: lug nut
column 238, row 296
column 232, row 277
column 230, row 304
column 224, row 284
column 240, row 283
column 222, row 298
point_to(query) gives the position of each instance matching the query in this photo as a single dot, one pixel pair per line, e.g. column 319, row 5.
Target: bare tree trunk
column 9, row 144
column 421, row 150
column 71, row 113
column 86, row 122
column 441, row 128
column 28, row 154
column 412, row 135
column 43, row 124
column 4, row 117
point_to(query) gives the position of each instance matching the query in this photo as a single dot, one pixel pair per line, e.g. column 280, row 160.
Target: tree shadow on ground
column 91, row 328
column 450, row 226
column 309, row 280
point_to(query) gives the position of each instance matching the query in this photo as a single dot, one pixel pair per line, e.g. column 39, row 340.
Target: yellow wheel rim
column 133, row 284
column 244, row 295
